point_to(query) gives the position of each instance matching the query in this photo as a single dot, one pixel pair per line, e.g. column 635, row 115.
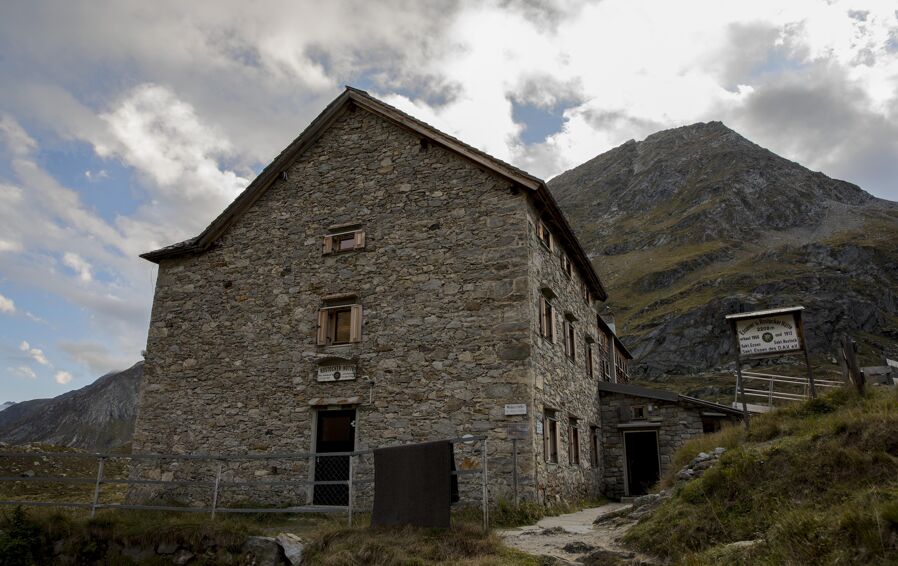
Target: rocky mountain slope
column 697, row 222
column 99, row 416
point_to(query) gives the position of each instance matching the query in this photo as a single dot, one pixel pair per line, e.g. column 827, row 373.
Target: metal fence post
column 93, row 506
column 514, row 469
column 215, row 490
column 351, row 489
column 484, row 478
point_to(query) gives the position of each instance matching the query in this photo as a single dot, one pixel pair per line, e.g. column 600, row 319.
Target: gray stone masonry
column 447, row 282
column 679, row 422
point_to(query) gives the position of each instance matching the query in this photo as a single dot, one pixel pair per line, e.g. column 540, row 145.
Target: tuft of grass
column 464, row 544
column 816, row 483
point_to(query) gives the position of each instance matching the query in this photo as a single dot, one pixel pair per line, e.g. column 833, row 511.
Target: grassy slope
column 815, row 484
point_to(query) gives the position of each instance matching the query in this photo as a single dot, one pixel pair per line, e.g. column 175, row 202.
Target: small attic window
column 344, row 238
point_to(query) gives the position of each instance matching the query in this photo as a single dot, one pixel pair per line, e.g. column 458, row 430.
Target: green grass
column 816, row 483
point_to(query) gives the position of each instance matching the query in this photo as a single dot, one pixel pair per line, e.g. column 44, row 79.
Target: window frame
column 327, row 323
column 544, row 235
column 570, row 338
column 567, row 267
column 332, row 240
column 550, row 436
column 546, row 318
column 573, row 441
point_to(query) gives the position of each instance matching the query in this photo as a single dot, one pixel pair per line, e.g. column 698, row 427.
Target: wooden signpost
column 767, row 333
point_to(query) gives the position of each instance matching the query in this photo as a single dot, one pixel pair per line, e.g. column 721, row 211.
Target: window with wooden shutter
column 550, row 436
column 544, row 235
column 587, row 351
column 573, row 439
column 344, row 240
column 569, row 337
column 546, row 319
column 339, row 323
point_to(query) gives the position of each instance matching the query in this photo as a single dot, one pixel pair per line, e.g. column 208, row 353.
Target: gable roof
column 361, row 99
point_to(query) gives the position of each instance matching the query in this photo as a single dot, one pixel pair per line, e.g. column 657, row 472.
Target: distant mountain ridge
column 99, row 416
column 697, row 222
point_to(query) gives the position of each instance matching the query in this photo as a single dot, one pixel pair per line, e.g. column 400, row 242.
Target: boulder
column 261, row 551
column 292, row 546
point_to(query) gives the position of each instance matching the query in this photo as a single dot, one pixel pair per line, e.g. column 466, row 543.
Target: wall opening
column 643, row 464
column 335, row 432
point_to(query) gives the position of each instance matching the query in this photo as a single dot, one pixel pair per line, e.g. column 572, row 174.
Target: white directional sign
column 516, row 409
column 767, row 335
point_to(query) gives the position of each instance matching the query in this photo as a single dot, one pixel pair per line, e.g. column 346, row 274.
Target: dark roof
column 363, row 100
column 662, row 395
column 768, row 312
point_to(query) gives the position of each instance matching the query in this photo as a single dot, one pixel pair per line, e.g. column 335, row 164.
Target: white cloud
column 96, row 175
column 96, row 356
column 23, row 371
column 35, row 354
column 7, row 306
column 78, row 265
column 62, row 377
column 8, row 246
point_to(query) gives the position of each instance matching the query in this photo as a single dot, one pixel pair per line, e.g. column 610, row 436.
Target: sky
column 126, row 126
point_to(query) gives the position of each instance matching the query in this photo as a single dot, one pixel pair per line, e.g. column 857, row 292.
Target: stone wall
column 443, row 280
column 560, row 383
column 679, row 422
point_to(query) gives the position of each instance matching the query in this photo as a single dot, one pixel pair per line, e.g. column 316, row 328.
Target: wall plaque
column 516, row 409
column 336, row 372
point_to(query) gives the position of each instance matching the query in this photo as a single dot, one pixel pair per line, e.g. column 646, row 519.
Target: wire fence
column 301, row 482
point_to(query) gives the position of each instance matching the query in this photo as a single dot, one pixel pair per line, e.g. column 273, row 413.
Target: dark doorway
column 643, row 470
column 335, row 433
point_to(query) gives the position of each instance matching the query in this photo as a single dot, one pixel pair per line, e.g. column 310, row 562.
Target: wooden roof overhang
column 362, row 99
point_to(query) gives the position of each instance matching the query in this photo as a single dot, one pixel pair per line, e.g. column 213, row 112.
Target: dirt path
column 575, row 539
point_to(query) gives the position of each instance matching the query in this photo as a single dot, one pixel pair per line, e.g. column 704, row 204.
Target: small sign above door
column 516, row 409
column 336, row 372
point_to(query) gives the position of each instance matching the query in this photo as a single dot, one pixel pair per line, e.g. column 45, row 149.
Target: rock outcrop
column 697, row 222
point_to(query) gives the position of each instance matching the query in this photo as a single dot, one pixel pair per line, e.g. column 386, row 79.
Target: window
column 340, row 322
column 588, row 353
column 573, row 439
column 344, row 241
column 542, row 232
column 594, row 446
column 584, row 292
column 550, row 436
column 569, row 349
column 546, row 318
column 566, row 265
column 639, row 413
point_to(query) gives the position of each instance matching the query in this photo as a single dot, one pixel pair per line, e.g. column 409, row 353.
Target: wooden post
column 807, row 358
column 215, row 490
column 96, row 501
column 740, row 384
column 849, row 349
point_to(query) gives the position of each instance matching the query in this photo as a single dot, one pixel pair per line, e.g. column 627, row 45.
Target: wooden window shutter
column 322, row 327
column 554, row 333
column 542, row 316
column 328, row 244
column 359, row 240
column 355, row 332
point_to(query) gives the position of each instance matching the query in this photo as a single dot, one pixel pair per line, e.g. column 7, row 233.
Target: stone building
column 642, row 428
column 381, row 282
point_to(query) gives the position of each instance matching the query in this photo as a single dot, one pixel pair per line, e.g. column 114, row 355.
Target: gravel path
column 575, row 539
